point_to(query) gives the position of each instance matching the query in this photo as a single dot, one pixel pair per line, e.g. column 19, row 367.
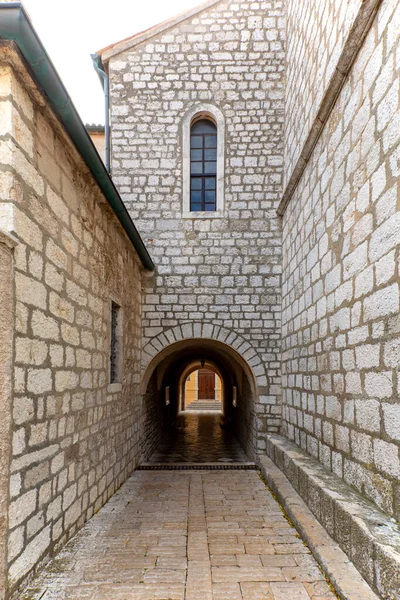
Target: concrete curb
column 347, row 581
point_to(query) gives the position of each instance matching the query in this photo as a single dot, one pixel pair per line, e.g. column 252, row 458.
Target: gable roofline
column 16, row 28
column 143, row 36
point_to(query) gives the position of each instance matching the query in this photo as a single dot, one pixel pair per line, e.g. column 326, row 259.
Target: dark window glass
column 210, row 141
column 196, row 183
column 196, row 168
column 115, row 342
column 210, row 167
column 210, row 154
column 203, row 166
column 210, row 196
column 210, row 183
column 196, row 142
column 196, row 197
column 197, row 155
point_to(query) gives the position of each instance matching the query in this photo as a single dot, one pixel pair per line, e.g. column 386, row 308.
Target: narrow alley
column 175, row 535
column 210, row 534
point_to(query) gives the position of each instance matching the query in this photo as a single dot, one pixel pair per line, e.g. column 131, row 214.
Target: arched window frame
column 196, row 113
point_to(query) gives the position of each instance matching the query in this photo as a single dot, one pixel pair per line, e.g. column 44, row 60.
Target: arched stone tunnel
column 163, row 390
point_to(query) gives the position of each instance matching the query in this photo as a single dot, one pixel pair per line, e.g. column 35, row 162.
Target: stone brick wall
column 74, row 436
column 242, row 422
column 317, row 31
column 341, row 236
column 7, row 244
column 151, row 426
column 221, row 269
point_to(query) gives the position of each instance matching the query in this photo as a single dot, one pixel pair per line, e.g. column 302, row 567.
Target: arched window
column 203, row 166
column 203, row 153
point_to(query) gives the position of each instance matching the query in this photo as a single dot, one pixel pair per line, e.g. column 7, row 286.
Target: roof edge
column 15, row 26
column 138, row 38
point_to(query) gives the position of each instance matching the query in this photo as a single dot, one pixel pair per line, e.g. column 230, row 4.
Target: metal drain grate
column 197, row 467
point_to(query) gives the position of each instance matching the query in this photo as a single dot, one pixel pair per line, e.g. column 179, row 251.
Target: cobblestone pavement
column 185, row 535
column 199, row 438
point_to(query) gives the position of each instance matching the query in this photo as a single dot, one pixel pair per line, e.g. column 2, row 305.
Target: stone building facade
column 341, row 236
column 289, row 289
column 218, row 268
column 312, row 133
column 340, row 232
column 69, row 436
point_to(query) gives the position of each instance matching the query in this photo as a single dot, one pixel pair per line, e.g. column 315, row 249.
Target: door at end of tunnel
column 206, row 383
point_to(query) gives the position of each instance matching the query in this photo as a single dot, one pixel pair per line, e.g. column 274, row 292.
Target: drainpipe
column 98, row 65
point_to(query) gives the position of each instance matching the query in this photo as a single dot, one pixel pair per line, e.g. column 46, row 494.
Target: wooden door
column 206, row 385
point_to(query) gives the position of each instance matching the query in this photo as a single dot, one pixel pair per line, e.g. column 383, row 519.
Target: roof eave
column 128, row 43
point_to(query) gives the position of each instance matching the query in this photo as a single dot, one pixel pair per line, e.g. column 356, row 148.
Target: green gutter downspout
column 16, row 26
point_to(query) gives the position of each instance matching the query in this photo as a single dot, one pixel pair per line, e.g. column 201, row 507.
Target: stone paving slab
column 176, row 535
column 198, row 437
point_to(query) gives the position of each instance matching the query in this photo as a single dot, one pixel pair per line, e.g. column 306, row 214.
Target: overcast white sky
column 71, row 31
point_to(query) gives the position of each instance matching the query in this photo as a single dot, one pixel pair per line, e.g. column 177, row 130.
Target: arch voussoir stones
column 206, row 331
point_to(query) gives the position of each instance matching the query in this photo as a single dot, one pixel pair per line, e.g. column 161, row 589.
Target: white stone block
column 368, row 415
column 44, row 327
column 385, row 238
column 30, row 351
column 66, row 380
column 24, row 410
column 386, row 457
column 31, row 555
column 367, row 356
column 382, row 303
column 379, row 385
column 30, row 291
column 21, row 508
column 15, row 542
column 39, row 381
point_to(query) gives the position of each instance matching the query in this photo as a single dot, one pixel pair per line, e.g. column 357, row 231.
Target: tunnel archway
column 164, row 377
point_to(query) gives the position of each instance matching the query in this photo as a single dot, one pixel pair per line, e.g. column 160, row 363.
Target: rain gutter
column 98, row 65
column 16, row 26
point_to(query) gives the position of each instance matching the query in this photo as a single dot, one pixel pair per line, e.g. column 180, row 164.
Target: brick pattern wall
column 317, row 31
column 6, row 385
column 341, row 273
column 223, row 271
column 75, row 438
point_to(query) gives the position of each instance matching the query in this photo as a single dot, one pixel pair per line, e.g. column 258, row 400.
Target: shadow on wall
column 163, row 390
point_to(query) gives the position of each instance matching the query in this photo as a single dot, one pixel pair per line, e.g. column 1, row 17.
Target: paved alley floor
column 197, row 437
column 185, row 535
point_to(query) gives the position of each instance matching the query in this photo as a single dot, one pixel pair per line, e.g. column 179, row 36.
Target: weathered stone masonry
column 317, row 32
column 220, row 269
column 74, row 436
column 340, row 238
column 341, row 281
column 7, row 244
